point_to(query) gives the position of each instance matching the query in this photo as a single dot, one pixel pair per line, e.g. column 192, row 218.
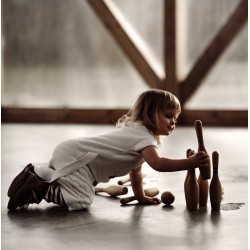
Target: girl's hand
column 200, row 160
column 146, row 200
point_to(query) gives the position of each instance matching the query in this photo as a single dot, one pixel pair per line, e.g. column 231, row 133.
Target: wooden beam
column 170, row 82
column 110, row 116
column 48, row 115
column 220, row 118
column 129, row 41
column 214, row 51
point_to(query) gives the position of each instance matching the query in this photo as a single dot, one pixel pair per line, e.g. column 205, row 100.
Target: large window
column 58, row 54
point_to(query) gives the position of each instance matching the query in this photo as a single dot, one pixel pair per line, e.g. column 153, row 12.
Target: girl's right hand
column 146, row 200
column 200, row 160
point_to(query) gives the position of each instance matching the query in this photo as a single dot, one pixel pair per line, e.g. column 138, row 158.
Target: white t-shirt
column 77, row 163
column 113, row 154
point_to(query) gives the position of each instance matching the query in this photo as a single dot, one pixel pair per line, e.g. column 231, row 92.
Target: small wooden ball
column 167, row 198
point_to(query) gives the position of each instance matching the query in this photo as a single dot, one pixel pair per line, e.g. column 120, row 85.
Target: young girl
column 79, row 164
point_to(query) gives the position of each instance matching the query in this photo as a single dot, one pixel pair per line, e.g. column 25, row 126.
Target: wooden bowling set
column 197, row 191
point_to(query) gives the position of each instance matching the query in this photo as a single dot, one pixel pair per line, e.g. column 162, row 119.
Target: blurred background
column 57, row 54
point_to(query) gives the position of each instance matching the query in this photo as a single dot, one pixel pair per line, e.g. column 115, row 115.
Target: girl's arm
column 136, row 179
column 161, row 164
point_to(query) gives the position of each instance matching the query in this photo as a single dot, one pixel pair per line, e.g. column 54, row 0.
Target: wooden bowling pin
column 113, row 190
column 215, row 189
column 126, row 179
column 204, row 172
column 186, row 179
column 203, row 191
column 151, row 192
column 192, row 189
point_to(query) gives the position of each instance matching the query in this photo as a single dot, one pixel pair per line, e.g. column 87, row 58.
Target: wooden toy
column 192, row 188
column 167, row 198
column 113, row 190
column 125, row 180
column 215, row 189
column 151, row 192
column 204, row 172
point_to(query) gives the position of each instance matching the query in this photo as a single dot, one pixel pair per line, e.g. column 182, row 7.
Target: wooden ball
column 167, row 198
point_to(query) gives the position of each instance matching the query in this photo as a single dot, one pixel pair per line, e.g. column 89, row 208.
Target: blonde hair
column 146, row 110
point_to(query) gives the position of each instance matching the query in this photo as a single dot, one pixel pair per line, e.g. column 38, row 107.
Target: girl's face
column 167, row 122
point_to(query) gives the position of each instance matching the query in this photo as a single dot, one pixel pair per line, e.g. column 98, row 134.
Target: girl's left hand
column 146, row 200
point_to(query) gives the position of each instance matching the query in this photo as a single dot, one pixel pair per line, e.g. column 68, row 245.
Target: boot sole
column 14, row 200
column 18, row 181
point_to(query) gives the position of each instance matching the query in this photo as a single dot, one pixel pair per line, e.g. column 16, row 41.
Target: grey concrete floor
column 107, row 224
